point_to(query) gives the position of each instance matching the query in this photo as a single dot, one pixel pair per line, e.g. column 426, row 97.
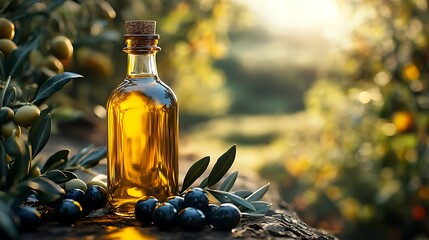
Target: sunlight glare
column 284, row 16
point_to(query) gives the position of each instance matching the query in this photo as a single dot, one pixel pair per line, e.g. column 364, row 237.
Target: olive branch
column 246, row 200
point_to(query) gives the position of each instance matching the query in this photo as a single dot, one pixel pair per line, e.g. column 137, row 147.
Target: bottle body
column 142, row 119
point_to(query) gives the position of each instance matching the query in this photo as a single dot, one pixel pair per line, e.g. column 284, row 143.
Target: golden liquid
column 142, row 143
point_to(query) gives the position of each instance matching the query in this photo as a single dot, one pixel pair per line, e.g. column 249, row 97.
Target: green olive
column 8, row 158
column 35, row 172
column 6, row 114
column 106, row 11
column 7, row 46
column 7, row 29
column 75, row 184
column 8, row 128
column 53, row 64
column 61, row 47
column 26, row 115
column 35, row 57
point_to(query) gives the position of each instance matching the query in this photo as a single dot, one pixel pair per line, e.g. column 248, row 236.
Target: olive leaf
column 243, row 193
column 229, row 182
column 7, row 225
column 93, row 157
column 260, row 207
column 78, row 156
column 20, row 152
column 56, row 165
column 47, row 190
column 14, row 62
column 40, row 132
column 195, row 171
column 258, row 194
column 70, row 175
column 21, row 191
column 59, row 176
column 221, row 167
column 222, row 195
column 53, row 85
column 56, row 157
column 3, row 116
column 2, row 74
column 204, row 183
column 10, row 96
column 3, row 167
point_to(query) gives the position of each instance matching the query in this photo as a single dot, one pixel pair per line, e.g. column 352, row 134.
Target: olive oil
column 142, row 122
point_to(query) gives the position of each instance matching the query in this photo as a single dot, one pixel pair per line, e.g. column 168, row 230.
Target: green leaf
column 70, row 175
column 7, row 225
column 258, row 194
column 3, row 167
column 3, row 116
column 194, row 172
column 229, row 182
column 260, row 207
column 56, row 165
column 16, row 59
column 243, row 193
column 53, row 85
column 14, row 146
column 73, row 160
column 47, row 190
column 59, row 176
column 92, row 158
column 2, row 74
column 21, row 191
column 204, row 183
column 10, row 97
column 56, row 157
column 220, row 195
column 222, row 165
column 40, row 132
column 20, row 152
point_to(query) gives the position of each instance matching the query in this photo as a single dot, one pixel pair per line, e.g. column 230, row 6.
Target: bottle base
column 125, row 209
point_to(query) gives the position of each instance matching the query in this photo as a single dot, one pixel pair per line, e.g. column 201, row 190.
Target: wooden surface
column 280, row 223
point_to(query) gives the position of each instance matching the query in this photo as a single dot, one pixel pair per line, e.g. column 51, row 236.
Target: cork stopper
column 140, row 27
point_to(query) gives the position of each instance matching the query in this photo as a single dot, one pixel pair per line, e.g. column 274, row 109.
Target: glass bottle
column 142, row 127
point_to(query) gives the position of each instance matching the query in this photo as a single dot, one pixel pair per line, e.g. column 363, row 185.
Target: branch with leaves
column 247, row 201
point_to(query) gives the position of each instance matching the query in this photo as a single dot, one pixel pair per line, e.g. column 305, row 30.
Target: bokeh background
column 327, row 99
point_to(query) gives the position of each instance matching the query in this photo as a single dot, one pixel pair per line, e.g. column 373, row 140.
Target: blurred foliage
column 33, row 51
column 194, row 35
column 365, row 172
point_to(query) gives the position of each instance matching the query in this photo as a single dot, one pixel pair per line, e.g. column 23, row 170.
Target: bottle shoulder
column 150, row 91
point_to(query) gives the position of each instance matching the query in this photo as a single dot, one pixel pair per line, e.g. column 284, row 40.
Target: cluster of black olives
column 192, row 212
column 78, row 201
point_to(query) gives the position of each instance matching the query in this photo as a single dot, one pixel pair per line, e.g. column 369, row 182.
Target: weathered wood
column 100, row 225
column 281, row 222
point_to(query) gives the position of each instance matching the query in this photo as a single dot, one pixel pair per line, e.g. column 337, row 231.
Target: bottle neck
column 142, row 64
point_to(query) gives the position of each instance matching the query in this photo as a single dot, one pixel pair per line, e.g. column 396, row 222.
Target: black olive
column 144, row 209
column 196, row 198
column 67, row 212
column 164, row 216
column 192, row 219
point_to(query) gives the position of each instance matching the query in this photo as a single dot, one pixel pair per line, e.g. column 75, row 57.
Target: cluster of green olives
column 60, row 48
column 11, row 121
column 192, row 212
